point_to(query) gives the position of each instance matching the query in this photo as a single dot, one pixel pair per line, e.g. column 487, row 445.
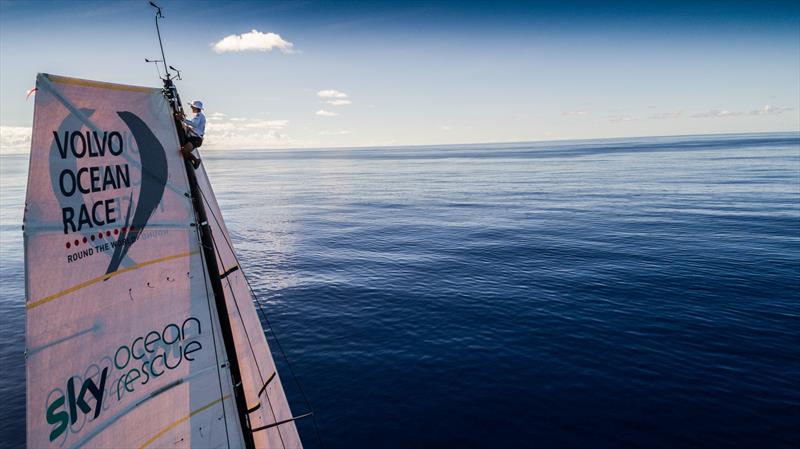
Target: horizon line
column 510, row 142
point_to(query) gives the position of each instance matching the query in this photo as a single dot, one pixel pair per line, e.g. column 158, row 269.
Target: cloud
column 666, row 115
column 338, row 102
column 325, row 113
column 253, row 41
column 341, row 132
column 622, row 118
column 574, row 113
column 216, row 139
column 770, row 110
column 334, row 97
column 716, row 113
column 224, row 120
column 331, row 93
column 15, row 139
column 266, row 124
column 225, row 132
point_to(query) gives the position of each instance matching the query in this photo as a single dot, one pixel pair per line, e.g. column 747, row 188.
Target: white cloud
column 325, row 113
column 246, row 134
column 15, row 139
column 770, row 110
column 331, row 93
column 338, row 102
column 622, row 118
column 253, row 41
column 341, row 132
column 716, row 113
column 332, row 97
column 239, row 139
column 574, row 113
column 267, row 124
column 666, row 115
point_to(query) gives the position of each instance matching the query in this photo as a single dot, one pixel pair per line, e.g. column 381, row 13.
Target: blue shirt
column 197, row 125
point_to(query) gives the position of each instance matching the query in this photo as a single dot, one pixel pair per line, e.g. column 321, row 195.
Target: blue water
column 616, row 293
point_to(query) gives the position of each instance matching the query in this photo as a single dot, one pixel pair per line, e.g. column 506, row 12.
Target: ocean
column 597, row 294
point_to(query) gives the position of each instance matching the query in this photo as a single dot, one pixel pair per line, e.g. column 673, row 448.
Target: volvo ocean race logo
column 84, row 223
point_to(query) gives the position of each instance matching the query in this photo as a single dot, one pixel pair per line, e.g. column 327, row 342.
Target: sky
column 291, row 74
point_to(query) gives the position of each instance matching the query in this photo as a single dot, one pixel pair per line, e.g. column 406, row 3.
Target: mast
column 210, row 256
column 209, row 253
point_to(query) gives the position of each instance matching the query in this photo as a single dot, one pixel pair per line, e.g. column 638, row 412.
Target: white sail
column 266, row 401
column 123, row 345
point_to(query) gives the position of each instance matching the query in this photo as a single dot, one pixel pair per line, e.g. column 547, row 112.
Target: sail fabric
column 268, row 408
column 123, row 347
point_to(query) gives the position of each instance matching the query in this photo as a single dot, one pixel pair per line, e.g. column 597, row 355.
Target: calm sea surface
column 615, row 293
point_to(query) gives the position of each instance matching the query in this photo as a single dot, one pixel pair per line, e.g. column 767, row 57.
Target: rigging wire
column 213, row 334
column 158, row 72
column 266, row 319
column 244, row 326
column 167, row 79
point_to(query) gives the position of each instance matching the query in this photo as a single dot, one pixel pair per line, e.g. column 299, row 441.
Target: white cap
column 196, row 104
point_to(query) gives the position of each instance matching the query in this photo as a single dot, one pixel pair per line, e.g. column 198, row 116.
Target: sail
column 124, row 345
column 268, row 408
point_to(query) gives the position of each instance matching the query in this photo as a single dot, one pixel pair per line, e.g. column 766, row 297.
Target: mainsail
column 138, row 334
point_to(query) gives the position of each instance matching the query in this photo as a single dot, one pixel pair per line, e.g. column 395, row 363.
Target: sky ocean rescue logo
column 130, row 368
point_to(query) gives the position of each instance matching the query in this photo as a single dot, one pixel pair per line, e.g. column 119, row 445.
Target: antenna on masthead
column 178, row 76
column 159, row 15
column 170, row 92
column 155, row 63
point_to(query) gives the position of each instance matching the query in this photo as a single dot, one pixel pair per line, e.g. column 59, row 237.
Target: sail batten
column 125, row 344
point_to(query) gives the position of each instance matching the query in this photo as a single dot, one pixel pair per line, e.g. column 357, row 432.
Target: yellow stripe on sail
column 99, row 84
column 178, row 422
column 104, row 277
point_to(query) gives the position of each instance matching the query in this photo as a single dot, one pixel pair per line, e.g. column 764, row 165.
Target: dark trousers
column 195, row 141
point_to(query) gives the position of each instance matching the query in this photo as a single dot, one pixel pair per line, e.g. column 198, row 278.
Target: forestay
column 123, row 340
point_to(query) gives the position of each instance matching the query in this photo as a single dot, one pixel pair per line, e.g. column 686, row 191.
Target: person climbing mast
column 195, row 129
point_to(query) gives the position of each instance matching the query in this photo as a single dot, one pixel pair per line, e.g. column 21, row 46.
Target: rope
column 213, row 336
column 244, row 326
column 263, row 315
